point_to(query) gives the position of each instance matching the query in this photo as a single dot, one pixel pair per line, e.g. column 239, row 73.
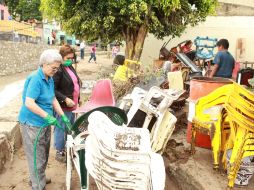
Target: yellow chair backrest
column 240, row 106
column 175, row 80
column 217, row 97
column 133, row 65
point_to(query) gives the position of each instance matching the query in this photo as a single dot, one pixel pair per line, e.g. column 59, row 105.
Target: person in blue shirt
column 36, row 112
column 224, row 62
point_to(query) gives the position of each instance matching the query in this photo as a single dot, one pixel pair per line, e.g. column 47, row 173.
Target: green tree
column 24, row 9
column 128, row 20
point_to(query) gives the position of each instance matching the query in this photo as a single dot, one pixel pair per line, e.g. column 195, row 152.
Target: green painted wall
column 60, row 35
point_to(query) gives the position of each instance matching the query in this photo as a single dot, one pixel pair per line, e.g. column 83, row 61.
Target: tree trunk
column 135, row 39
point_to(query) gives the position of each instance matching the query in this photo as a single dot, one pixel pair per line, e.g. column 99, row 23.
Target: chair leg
column 237, row 155
column 225, row 135
column 229, row 143
column 83, row 170
column 193, row 138
column 68, row 167
column 215, row 134
column 147, row 120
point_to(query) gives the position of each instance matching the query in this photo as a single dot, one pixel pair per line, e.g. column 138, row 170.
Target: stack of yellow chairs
column 240, row 110
column 210, row 118
column 227, row 114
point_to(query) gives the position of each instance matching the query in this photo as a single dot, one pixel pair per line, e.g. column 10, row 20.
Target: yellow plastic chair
column 211, row 118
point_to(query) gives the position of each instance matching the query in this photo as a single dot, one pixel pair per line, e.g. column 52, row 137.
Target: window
column 2, row 14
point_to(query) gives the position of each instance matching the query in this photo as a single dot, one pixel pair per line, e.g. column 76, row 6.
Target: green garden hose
column 35, row 150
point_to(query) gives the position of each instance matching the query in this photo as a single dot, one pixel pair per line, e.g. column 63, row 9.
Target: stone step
column 4, row 151
column 10, row 140
column 12, row 132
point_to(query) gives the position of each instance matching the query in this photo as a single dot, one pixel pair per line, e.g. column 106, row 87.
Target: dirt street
column 15, row 175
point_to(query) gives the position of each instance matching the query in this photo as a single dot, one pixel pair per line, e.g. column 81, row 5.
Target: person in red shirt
column 186, row 49
column 93, row 53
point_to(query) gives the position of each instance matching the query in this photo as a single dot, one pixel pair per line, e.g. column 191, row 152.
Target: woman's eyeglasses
column 54, row 68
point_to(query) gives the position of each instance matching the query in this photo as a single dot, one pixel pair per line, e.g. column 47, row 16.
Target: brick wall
column 16, row 57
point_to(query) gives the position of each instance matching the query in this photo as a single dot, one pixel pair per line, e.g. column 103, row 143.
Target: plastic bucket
column 199, row 87
column 202, row 86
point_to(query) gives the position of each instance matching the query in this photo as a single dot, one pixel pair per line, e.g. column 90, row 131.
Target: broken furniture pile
column 119, row 150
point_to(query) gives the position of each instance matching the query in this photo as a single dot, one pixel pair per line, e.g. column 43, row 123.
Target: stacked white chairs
column 76, row 152
column 119, row 157
column 102, row 95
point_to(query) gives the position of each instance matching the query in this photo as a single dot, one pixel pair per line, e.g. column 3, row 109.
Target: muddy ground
column 15, row 176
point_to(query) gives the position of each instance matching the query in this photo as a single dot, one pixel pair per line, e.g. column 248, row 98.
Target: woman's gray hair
column 50, row 56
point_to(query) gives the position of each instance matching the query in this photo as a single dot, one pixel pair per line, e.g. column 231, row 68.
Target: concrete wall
column 227, row 9
column 16, row 57
column 231, row 28
column 249, row 3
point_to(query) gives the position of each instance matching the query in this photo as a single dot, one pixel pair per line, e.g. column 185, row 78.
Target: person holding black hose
column 36, row 115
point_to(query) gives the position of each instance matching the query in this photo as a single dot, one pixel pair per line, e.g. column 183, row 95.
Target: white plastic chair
column 164, row 124
column 76, row 143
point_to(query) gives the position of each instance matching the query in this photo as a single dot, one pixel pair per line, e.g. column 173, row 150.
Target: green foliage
column 24, row 9
column 123, row 19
